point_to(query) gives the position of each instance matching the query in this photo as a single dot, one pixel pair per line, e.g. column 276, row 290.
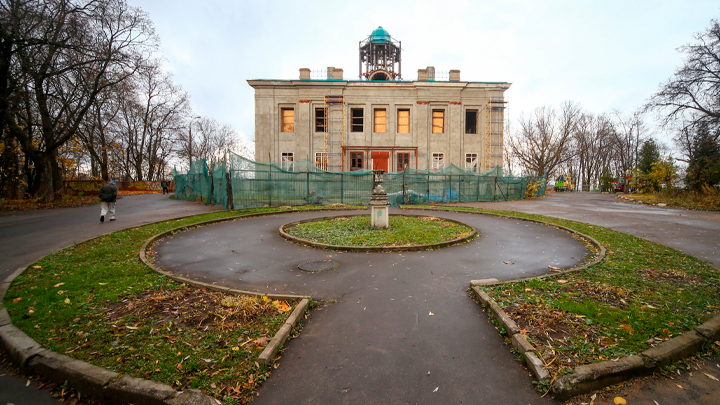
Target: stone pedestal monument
column 379, row 217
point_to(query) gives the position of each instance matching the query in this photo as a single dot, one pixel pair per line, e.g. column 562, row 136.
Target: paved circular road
column 403, row 324
column 27, row 236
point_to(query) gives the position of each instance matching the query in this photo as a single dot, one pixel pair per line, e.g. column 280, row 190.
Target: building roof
column 385, row 82
column 380, row 36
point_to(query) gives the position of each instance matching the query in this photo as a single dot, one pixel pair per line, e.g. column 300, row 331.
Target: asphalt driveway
column 28, row 236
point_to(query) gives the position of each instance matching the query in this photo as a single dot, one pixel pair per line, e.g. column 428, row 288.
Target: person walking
column 108, row 195
column 164, row 184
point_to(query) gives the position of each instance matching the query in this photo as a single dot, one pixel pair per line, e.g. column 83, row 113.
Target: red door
column 380, row 160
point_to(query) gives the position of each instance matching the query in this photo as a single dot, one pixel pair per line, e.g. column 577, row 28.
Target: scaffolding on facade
column 494, row 131
column 334, row 132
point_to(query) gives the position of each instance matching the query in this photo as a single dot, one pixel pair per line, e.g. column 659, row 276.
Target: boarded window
column 403, row 124
column 403, row 161
column 356, row 160
column 287, row 117
column 320, row 120
column 438, row 161
column 357, row 120
column 380, row 120
column 471, row 118
column 321, row 160
column 287, row 159
column 438, row 121
column 471, row 162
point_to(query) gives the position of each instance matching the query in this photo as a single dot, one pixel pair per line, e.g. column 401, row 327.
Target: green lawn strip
column 69, row 302
column 684, row 199
column 640, row 295
column 357, row 231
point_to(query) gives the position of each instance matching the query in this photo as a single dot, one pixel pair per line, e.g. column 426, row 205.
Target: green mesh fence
column 195, row 185
column 295, row 183
column 220, row 185
column 454, row 184
column 253, row 184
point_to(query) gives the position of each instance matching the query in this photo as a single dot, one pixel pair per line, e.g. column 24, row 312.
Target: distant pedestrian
column 108, row 195
column 164, row 184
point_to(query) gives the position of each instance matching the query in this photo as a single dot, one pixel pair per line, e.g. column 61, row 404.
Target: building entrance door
column 380, row 160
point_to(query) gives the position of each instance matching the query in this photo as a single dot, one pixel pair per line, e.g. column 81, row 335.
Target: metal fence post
column 271, row 187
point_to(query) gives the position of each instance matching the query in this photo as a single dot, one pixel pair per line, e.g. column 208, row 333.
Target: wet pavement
column 694, row 232
column 403, row 329
column 28, row 236
column 385, row 343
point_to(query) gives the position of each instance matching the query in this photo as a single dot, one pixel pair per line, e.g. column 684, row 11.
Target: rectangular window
column 380, row 120
column 287, row 120
column 286, row 161
column 320, row 120
column 471, row 119
column 356, row 160
column 438, row 121
column 321, row 160
column 471, row 161
column 403, row 121
column 403, row 161
column 357, row 119
column 438, row 161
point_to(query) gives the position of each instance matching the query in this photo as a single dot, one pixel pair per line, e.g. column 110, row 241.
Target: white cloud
column 605, row 55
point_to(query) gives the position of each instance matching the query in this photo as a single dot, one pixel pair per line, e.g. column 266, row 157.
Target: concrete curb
column 90, row 380
column 106, row 385
column 268, row 354
column 659, row 205
column 598, row 256
column 591, row 377
column 519, row 341
column 595, row 376
column 414, row 248
column 214, row 287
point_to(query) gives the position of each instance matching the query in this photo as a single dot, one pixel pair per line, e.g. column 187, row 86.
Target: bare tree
column 692, row 95
column 542, row 143
column 99, row 135
column 592, row 143
column 71, row 52
column 628, row 134
column 210, row 140
column 151, row 114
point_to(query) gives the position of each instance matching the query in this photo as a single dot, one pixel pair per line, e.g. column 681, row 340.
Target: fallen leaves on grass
column 37, row 204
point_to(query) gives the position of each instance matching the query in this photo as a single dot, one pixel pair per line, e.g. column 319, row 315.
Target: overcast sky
column 603, row 54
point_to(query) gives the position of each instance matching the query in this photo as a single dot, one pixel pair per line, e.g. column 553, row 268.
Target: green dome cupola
column 380, row 36
column 380, row 56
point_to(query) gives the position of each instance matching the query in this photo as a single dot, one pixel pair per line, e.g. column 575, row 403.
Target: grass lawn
column 64, row 202
column 682, row 199
column 640, row 295
column 357, row 231
column 98, row 303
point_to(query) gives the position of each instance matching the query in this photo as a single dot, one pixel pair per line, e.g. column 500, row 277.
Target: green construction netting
column 195, row 185
column 295, row 183
column 220, row 185
column 253, row 184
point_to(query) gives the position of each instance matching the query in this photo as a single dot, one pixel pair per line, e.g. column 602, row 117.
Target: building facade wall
column 421, row 98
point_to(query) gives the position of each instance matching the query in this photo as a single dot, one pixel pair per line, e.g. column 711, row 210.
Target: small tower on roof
column 379, row 53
